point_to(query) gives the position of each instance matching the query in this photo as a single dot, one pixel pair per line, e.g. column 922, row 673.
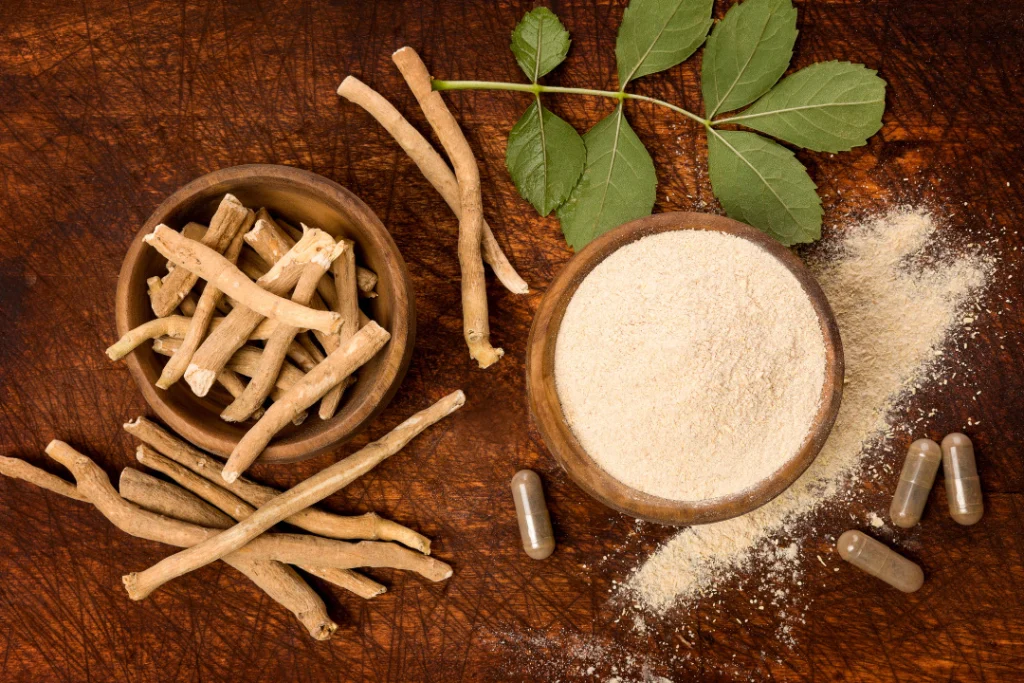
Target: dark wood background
column 107, row 106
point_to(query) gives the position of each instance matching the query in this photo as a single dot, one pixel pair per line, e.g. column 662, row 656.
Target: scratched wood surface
column 107, row 106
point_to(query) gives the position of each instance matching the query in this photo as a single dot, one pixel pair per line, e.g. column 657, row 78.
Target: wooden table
column 107, row 106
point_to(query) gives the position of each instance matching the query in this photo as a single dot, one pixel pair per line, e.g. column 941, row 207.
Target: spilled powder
column 897, row 295
column 690, row 364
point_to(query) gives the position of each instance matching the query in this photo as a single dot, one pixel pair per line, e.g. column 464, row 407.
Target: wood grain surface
column 108, row 106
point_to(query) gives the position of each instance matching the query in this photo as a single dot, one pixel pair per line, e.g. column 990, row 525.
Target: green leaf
column 658, row 34
column 827, row 107
column 618, row 183
column 760, row 182
column 545, row 158
column 539, row 42
column 747, row 53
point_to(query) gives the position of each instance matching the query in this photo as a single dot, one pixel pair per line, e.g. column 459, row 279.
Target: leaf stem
column 537, row 89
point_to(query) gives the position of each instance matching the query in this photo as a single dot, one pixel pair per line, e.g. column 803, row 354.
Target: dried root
column 364, row 527
column 222, row 343
column 278, row 581
column 475, row 326
column 434, row 169
column 300, row 497
column 200, row 323
column 230, row 217
column 277, row 347
column 176, row 502
column 219, row 272
column 349, row 357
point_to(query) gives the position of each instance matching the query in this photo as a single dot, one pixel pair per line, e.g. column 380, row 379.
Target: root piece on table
column 368, row 526
column 303, row 495
column 277, row 580
column 165, row 498
column 219, row 272
column 201, row 317
column 277, row 346
column 349, row 357
column 434, row 169
column 225, row 223
column 475, row 325
column 19, row 469
column 286, row 548
column 222, row 343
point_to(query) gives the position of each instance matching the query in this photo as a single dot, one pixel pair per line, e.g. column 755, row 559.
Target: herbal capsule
column 963, row 487
column 877, row 559
column 922, row 463
column 532, row 511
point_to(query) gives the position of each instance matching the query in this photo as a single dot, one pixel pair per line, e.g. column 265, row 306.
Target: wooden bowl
column 299, row 197
column 547, row 409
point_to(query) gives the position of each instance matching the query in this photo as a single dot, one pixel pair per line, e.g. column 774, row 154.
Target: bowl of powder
column 684, row 368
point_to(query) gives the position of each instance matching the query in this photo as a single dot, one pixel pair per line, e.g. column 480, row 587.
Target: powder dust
column 690, row 364
column 897, row 295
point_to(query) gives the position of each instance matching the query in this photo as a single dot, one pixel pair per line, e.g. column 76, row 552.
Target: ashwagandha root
column 433, row 168
column 222, row 343
column 270, row 241
column 347, row 306
column 19, row 469
column 177, row 326
column 300, row 497
column 246, row 362
column 172, row 501
column 475, row 325
column 277, row 580
column 277, row 347
column 285, row 548
column 172, row 326
column 187, row 307
column 200, row 323
column 349, row 357
column 368, row 526
column 310, row 353
column 219, row 272
column 228, row 220
column 169, row 500
column 366, row 279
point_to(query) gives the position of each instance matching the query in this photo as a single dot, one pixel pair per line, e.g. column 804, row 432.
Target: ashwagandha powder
column 895, row 310
column 690, row 364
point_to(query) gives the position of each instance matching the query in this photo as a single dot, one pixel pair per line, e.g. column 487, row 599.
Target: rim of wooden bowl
column 359, row 405
column 581, row 468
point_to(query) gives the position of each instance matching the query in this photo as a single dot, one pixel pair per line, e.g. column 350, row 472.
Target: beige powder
column 895, row 312
column 690, row 364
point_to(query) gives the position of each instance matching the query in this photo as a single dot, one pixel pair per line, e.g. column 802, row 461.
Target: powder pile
column 690, row 364
column 895, row 310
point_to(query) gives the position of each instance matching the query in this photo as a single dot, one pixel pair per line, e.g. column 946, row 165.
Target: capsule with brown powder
column 531, row 510
column 963, row 486
column 919, row 469
column 880, row 561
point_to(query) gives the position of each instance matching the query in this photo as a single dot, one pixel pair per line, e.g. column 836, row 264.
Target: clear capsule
column 880, row 561
column 919, row 469
column 532, row 512
column 963, row 487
